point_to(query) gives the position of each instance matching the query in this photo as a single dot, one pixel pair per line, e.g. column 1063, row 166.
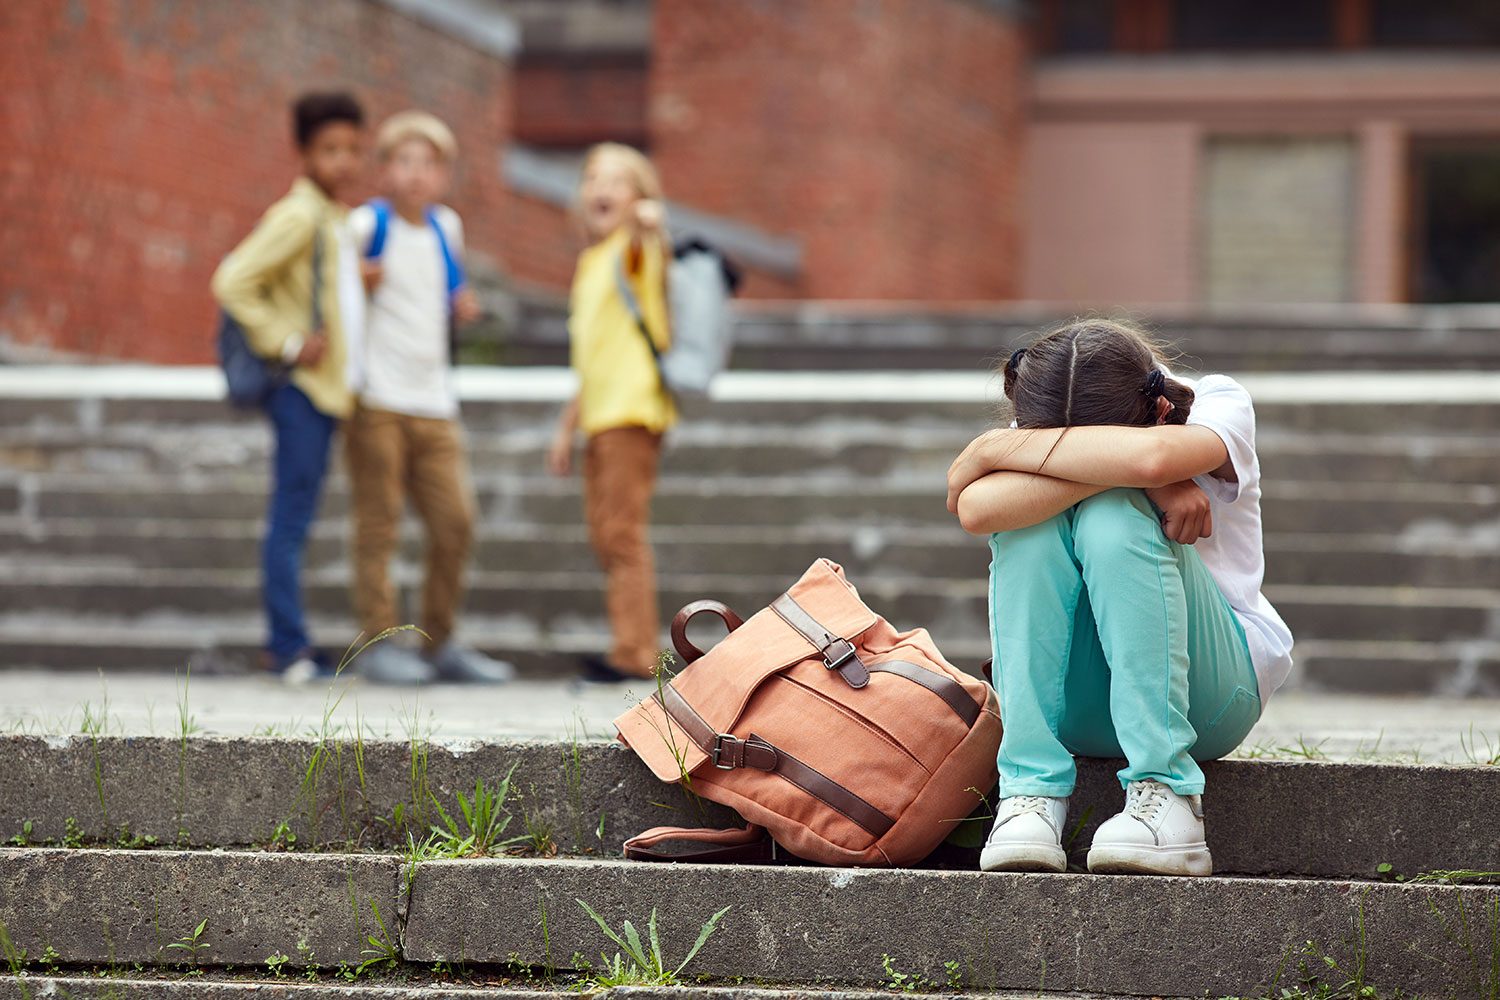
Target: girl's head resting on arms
column 1093, row 372
column 615, row 178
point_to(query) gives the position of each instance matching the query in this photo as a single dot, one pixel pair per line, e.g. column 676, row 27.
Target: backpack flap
column 711, row 693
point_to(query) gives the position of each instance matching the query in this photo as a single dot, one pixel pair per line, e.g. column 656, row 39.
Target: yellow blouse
column 618, row 381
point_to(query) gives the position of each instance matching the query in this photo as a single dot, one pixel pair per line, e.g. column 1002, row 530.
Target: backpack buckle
column 716, row 753
column 837, row 653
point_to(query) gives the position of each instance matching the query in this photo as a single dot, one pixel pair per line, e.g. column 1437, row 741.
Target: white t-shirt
column 405, row 364
column 1234, row 555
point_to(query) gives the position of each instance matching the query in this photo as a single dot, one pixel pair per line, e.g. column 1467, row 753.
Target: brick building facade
column 142, row 139
column 1093, row 153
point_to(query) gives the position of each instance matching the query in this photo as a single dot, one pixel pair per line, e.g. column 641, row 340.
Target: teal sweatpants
column 1112, row 641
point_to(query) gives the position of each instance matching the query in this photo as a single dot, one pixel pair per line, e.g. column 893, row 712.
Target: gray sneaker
column 389, row 663
column 469, row 666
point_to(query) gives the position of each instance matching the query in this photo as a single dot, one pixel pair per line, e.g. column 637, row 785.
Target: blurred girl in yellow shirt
column 622, row 407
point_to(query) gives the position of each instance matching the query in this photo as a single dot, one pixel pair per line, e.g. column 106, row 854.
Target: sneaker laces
column 1145, row 800
column 1020, row 805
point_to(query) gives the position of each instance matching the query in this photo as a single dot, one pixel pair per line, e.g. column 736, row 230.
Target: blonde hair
column 642, row 172
column 404, row 125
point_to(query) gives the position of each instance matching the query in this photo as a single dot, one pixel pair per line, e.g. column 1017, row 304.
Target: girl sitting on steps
column 1126, row 618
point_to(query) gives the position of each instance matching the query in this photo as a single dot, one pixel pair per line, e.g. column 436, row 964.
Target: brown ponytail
column 1092, row 372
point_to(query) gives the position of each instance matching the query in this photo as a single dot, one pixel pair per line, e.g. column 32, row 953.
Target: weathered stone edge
column 1265, row 817
column 112, row 988
column 1108, row 934
column 146, row 906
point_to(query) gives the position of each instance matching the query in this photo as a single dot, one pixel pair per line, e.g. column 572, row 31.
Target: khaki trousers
column 393, row 456
column 619, row 474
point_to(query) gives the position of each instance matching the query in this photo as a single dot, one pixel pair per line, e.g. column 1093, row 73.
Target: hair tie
column 1154, row 384
column 1015, row 358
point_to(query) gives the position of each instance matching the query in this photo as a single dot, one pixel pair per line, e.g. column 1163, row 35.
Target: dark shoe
column 598, row 670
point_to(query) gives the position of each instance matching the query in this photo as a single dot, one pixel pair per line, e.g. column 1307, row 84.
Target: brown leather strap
column 728, row 752
column 838, row 653
column 941, row 685
column 832, row 794
column 750, row 844
column 686, row 649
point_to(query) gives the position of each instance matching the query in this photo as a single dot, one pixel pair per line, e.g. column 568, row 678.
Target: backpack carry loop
column 685, row 648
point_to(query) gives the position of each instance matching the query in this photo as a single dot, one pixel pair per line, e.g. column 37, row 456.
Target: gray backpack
column 700, row 283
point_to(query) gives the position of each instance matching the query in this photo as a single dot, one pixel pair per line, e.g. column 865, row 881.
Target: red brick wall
column 142, row 138
column 886, row 134
column 577, row 99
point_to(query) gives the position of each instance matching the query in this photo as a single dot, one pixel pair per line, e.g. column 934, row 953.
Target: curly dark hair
column 311, row 112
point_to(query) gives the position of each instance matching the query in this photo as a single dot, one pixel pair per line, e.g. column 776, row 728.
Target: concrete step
column 221, row 643
column 894, row 447
column 187, row 401
column 1339, row 507
column 951, row 609
column 841, row 336
column 1430, row 556
column 411, row 981
column 800, row 924
column 1265, row 817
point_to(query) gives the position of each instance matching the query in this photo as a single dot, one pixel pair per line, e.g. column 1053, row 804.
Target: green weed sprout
column 640, row 965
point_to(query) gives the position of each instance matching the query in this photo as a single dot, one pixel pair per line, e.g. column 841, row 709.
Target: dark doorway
column 1455, row 232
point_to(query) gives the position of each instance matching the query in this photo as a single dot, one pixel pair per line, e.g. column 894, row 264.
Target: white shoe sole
column 1133, row 859
column 1023, row 858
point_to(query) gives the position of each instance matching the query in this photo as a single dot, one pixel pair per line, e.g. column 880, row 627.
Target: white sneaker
column 1159, row 833
column 460, row 663
column 1027, row 836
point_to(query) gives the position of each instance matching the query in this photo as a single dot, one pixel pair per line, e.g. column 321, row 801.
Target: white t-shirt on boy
column 405, row 367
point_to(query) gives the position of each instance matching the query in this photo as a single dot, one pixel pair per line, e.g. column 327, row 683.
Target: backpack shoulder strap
column 622, row 285
column 455, row 269
column 382, row 210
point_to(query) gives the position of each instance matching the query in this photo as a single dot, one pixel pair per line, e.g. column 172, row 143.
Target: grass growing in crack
column 1489, row 755
column 192, row 943
column 905, row 982
column 538, row 837
column 641, row 964
column 186, row 726
column 13, row 959
column 573, row 777
column 485, row 818
column 1479, row 941
column 382, row 950
column 414, row 812
column 329, row 748
column 1303, row 750
column 92, row 725
column 663, row 673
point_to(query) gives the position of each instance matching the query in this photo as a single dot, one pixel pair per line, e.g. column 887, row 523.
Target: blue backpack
column 451, row 265
column 249, row 378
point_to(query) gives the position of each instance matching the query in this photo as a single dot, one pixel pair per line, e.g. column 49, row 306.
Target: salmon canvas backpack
column 846, row 741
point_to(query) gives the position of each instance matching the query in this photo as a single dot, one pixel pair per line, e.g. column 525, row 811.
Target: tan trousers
column 393, row 456
column 619, row 474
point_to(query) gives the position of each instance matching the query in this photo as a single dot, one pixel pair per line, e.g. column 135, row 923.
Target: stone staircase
column 257, row 848
column 131, row 505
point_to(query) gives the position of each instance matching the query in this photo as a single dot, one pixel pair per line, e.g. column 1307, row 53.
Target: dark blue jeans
column 303, row 435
